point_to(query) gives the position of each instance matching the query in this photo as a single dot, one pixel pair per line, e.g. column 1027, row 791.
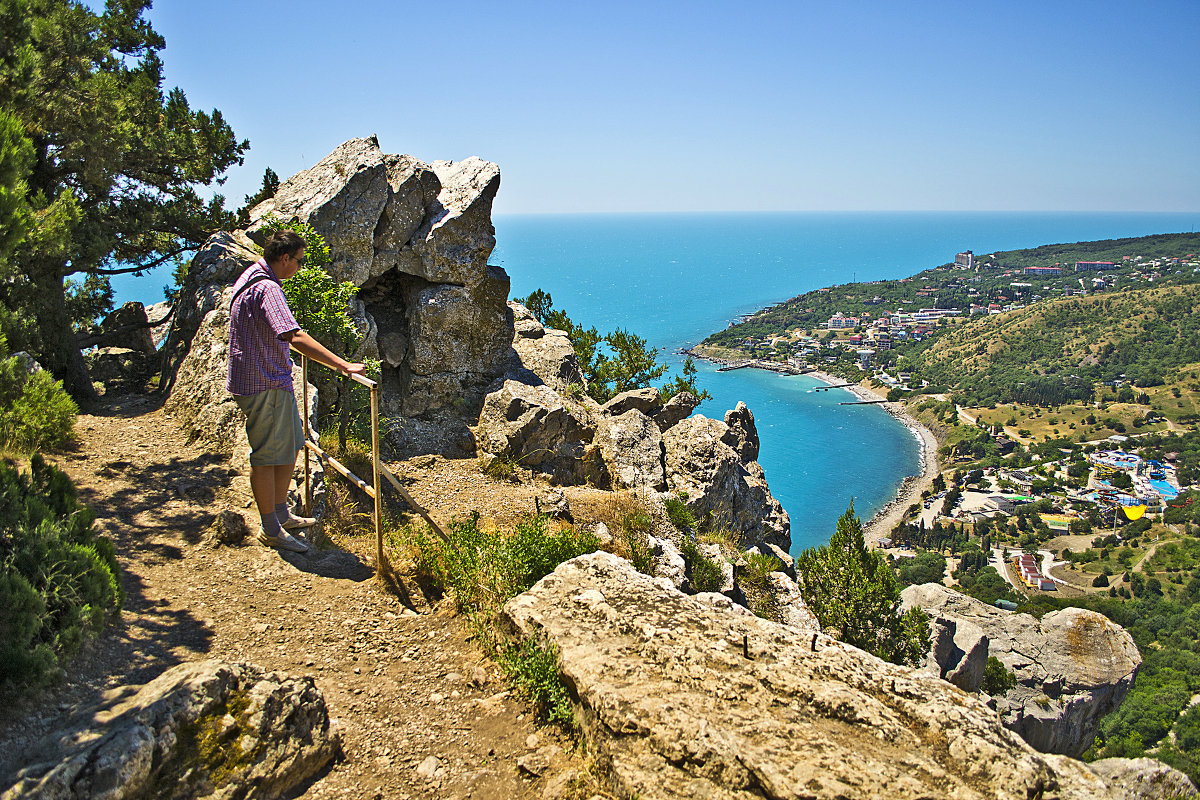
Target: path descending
column 401, row 686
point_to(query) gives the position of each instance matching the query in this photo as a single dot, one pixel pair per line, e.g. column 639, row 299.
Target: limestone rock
column 793, row 611
column 228, row 528
column 645, row 400
column 728, row 587
column 719, row 485
column 675, row 410
column 678, row 698
column 342, row 197
column 958, row 652
column 272, row 735
column 633, row 450
column 668, row 561
column 742, row 435
column 546, row 352
column 1072, row 666
column 120, row 369
column 140, row 338
column 533, row 426
column 1143, row 778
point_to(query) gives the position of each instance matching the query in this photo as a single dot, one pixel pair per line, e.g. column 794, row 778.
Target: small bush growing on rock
column 704, row 574
column 680, row 515
column 58, row 580
column 997, row 680
column 728, row 540
column 759, row 566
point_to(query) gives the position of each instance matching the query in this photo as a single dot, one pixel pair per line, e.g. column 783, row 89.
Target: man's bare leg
column 262, row 483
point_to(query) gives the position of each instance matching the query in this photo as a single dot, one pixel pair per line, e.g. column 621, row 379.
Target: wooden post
column 381, row 563
column 307, row 437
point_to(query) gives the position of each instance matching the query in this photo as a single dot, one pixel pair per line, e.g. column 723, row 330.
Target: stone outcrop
column 546, row 352
column 130, row 328
column 633, row 450
column 702, row 464
column 1072, row 666
column 645, row 400
column 119, row 369
column 201, row 729
column 1143, row 778
column 415, row 239
column 675, row 410
column 679, row 697
column 538, row 430
column 958, row 652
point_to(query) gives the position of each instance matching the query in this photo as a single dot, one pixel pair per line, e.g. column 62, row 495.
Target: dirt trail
column 401, row 686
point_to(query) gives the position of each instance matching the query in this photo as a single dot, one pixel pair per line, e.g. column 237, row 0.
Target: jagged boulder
column 1072, row 666
column 119, row 369
column 720, row 487
column 645, row 400
column 129, row 327
column 792, row 609
column 545, row 352
column 1143, row 778
column 742, row 433
column 958, row 652
column 264, row 736
column 633, row 450
column 415, row 238
column 534, row 427
column 678, row 697
column 675, row 410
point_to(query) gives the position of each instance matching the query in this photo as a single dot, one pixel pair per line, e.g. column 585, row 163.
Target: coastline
column 880, row 525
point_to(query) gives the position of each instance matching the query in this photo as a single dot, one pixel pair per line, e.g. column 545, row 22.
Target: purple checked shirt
column 259, row 317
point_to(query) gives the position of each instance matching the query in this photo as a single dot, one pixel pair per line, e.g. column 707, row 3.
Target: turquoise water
column 675, row 278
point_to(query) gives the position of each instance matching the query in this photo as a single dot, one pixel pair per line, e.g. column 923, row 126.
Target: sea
column 675, row 278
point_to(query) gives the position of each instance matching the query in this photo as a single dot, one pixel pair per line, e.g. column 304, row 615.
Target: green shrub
column 759, row 566
column 997, row 680
column 58, row 580
column 36, row 413
column 680, row 515
column 704, row 574
column 533, row 669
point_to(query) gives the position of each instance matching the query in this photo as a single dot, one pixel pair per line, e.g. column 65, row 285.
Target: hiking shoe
column 284, row 542
column 293, row 522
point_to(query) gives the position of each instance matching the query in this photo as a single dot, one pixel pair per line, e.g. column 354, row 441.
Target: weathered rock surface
column 200, row 729
column 415, row 238
column 645, row 400
column 536, row 428
column 1072, row 666
column 793, row 611
column 675, row 410
column 958, row 652
column 701, row 463
column 633, row 450
column 1143, row 778
column 119, row 368
column 133, row 323
column 546, row 352
column 680, row 698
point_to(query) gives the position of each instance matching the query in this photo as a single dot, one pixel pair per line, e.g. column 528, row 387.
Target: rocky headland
column 676, row 693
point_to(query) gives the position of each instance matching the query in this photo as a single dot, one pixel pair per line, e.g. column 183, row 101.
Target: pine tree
column 856, row 596
column 111, row 186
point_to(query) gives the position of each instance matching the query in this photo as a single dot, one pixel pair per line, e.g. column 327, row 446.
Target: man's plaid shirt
column 258, row 356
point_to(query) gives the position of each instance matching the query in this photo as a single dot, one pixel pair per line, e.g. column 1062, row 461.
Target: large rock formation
column 415, row 239
column 1072, row 666
column 545, row 352
column 682, row 698
column 206, row 729
column 711, row 463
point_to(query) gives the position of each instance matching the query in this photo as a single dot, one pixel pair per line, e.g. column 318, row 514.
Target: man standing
column 261, row 328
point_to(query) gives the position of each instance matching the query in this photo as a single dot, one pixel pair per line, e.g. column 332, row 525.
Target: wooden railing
column 378, row 468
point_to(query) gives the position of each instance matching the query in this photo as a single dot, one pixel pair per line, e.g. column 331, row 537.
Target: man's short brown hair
column 282, row 243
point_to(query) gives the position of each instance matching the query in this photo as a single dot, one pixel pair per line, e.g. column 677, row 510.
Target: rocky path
column 422, row 714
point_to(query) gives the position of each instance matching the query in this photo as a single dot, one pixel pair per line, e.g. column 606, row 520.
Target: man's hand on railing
column 355, row 368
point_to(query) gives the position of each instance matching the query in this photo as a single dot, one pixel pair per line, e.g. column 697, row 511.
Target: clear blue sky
column 720, row 106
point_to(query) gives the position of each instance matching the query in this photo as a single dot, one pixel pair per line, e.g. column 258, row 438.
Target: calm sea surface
column 675, row 278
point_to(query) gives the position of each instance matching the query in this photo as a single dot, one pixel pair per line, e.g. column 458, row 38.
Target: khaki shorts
column 273, row 427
